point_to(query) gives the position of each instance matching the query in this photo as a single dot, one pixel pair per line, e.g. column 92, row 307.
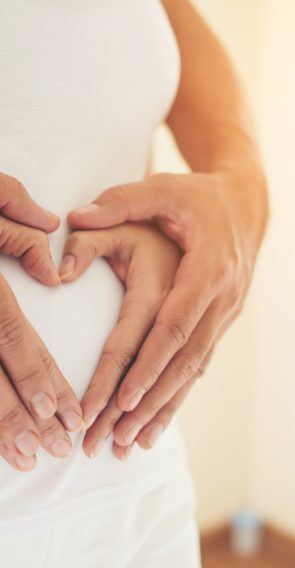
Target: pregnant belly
column 73, row 320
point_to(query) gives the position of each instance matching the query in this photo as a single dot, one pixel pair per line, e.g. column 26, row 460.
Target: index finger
column 68, row 407
column 137, row 314
column 21, row 359
column 177, row 318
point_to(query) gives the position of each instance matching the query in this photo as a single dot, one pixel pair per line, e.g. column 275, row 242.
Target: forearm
column 210, row 118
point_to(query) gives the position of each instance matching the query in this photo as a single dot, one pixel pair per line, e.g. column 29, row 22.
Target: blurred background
column 239, row 420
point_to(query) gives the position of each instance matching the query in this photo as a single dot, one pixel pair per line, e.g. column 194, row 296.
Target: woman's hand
column 23, row 230
column 218, row 224
column 146, row 262
column 36, row 402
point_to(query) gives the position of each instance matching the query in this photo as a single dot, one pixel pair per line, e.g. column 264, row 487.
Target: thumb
column 32, row 248
column 130, row 202
column 17, row 204
column 83, row 246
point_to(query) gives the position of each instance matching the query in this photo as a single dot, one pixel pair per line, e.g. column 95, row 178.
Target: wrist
column 244, row 187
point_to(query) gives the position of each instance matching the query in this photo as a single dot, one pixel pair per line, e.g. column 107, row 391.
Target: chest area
column 75, row 68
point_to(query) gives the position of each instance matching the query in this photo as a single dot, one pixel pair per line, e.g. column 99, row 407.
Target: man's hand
column 213, row 220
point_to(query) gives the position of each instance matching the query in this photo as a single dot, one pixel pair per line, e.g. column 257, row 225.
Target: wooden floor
column 278, row 551
column 220, row 557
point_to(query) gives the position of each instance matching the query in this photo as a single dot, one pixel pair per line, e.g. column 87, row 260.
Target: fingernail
column 84, row 209
column 61, row 448
column 89, row 422
column 26, row 442
column 154, row 433
column 72, row 420
column 43, row 405
column 135, row 399
column 131, row 433
column 56, row 278
column 125, row 452
column 26, row 463
column 96, row 447
column 67, row 266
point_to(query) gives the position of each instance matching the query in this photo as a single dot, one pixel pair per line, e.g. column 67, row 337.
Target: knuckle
column 155, row 369
column 122, row 358
column 104, row 425
column 187, row 367
column 33, row 261
column 111, row 423
column 224, row 274
column 178, row 332
column 78, row 238
column 220, row 277
column 11, row 329
column 154, row 408
column 4, row 448
column 38, row 238
column 234, row 295
column 205, row 362
column 33, row 244
column 33, row 238
column 116, row 193
column 29, row 376
column 63, row 396
column 47, row 360
column 93, row 388
column 49, row 429
column 201, row 371
column 11, row 416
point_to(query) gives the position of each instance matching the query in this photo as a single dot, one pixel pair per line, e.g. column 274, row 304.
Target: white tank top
column 84, row 83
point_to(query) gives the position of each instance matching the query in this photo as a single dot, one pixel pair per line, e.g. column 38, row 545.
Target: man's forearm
column 210, row 118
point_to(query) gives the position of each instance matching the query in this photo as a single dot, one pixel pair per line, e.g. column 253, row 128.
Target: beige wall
column 271, row 485
column 239, row 421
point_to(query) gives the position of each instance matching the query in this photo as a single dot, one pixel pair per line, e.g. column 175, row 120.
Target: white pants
column 156, row 531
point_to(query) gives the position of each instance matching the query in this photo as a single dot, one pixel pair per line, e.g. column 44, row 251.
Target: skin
column 36, row 401
column 217, row 216
column 146, row 262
